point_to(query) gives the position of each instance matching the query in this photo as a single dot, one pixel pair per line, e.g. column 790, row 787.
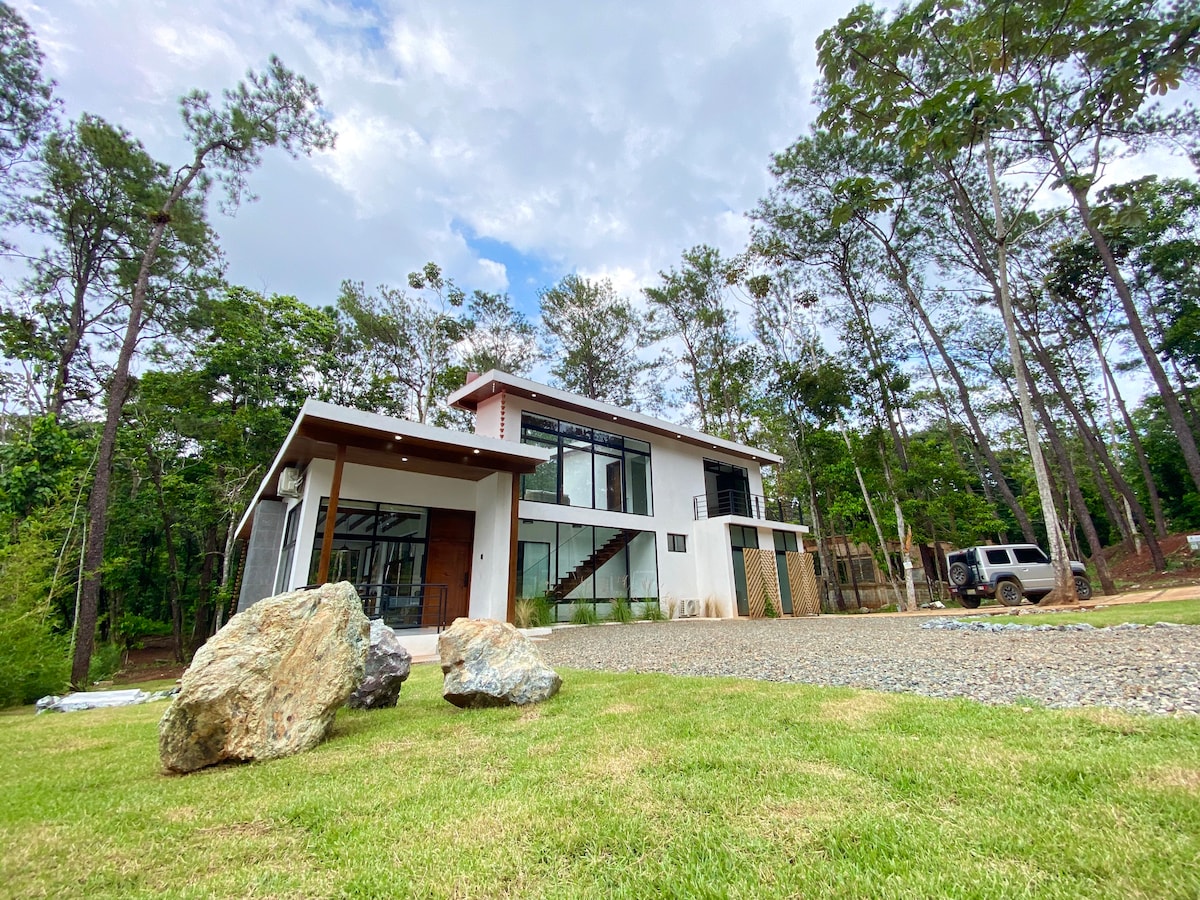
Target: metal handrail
column 743, row 503
column 403, row 605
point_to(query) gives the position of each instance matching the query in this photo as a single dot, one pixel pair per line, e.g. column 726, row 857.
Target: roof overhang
column 474, row 392
column 385, row 442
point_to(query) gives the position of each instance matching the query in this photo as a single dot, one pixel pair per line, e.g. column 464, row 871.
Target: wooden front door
column 451, row 539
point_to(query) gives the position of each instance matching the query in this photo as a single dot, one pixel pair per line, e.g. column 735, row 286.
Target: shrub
column 584, row 614
column 620, row 612
column 533, row 612
column 33, row 660
column 652, row 611
column 134, row 629
column 106, row 662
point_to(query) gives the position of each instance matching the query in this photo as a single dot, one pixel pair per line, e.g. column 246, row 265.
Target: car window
column 1029, row 555
column 996, row 557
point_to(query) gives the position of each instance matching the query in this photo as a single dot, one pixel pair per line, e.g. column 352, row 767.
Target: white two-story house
column 554, row 496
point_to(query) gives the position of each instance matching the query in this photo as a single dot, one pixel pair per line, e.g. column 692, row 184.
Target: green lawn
column 1180, row 612
column 623, row 786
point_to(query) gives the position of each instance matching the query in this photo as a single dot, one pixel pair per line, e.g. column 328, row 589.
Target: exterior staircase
column 587, row 567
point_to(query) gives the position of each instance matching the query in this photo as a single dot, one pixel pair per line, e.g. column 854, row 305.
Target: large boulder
column 490, row 663
column 388, row 665
column 269, row 682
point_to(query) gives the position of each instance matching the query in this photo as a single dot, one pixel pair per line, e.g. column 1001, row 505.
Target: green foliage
column 534, row 612
column 620, row 610
column 35, row 468
column 133, row 629
column 272, row 108
column 33, row 650
column 26, row 103
column 584, row 613
column 769, row 610
column 652, row 611
column 594, row 336
column 105, row 662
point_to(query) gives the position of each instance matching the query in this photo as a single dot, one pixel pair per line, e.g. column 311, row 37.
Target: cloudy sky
column 512, row 142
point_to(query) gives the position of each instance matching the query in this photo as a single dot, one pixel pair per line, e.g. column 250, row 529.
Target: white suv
column 1009, row 572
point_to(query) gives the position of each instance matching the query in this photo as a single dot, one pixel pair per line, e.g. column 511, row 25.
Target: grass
column 1179, row 612
column 622, row 786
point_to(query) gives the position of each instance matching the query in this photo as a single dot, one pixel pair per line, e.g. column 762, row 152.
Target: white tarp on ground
column 100, row 699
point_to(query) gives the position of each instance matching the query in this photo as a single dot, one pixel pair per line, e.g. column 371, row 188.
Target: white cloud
column 599, row 138
column 491, row 275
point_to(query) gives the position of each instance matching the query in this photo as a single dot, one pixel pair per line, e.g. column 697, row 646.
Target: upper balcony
column 751, row 506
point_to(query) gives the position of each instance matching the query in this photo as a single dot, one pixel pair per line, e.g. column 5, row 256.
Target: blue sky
column 511, row 142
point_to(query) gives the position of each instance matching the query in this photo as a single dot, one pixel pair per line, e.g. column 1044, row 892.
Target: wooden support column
column 512, row 548
column 335, row 491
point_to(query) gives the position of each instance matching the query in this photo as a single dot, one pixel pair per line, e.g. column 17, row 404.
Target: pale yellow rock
column 269, row 683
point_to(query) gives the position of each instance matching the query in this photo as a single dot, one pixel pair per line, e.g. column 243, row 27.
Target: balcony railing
column 751, row 506
column 404, row 605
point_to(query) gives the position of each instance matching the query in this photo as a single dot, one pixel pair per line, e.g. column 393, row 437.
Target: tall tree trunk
column 1077, row 500
column 850, row 568
column 118, row 393
column 866, row 495
column 1064, row 579
column 1113, row 391
column 1097, row 448
column 900, row 270
column 1170, row 400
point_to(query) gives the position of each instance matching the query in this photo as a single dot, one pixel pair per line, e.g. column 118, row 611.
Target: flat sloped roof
column 390, row 443
column 470, row 395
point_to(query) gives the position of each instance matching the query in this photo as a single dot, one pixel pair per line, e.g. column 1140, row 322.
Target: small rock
column 387, row 668
column 490, row 663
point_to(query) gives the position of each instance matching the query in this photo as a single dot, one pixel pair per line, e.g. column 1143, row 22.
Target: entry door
column 451, row 539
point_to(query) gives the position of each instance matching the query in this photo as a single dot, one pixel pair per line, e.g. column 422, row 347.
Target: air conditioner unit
column 290, row 482
column 690, row 608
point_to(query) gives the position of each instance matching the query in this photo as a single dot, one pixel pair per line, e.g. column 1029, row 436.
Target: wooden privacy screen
column 762, row 582
column 806, row 600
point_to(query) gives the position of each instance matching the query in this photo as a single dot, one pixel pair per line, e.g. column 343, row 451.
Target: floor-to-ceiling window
column 590, row 468
column 380, row 548
column 726, row 489
column 585, row 564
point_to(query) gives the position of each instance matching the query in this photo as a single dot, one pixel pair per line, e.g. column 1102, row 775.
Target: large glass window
column 584, row 564
column 591, row 468
column 373, row 543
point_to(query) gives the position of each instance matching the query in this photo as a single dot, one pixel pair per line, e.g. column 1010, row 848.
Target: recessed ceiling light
column 398, row 437
column 534, row 396
column 404, row 459
column 476, row 451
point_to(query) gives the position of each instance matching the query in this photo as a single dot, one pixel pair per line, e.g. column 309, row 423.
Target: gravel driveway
column 1149, row 670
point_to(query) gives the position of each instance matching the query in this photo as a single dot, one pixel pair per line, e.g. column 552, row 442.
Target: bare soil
column 1134, row 571
column 152, row 661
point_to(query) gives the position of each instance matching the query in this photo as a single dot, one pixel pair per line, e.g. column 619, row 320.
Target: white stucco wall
column 677, row 476
column 489, row 499
column 489, row 567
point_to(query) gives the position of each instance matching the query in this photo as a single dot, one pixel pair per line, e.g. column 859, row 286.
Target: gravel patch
column 1146, row 670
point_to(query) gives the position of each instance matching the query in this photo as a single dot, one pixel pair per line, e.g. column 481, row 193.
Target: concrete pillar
column 262, row 552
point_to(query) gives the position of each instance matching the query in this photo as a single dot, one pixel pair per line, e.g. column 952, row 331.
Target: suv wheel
column 959, row 573
column 1083, row 587
column 970, row 602
column 1008, row 592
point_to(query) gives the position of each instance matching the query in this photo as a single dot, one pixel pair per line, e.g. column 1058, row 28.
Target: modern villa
column 554, row 496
